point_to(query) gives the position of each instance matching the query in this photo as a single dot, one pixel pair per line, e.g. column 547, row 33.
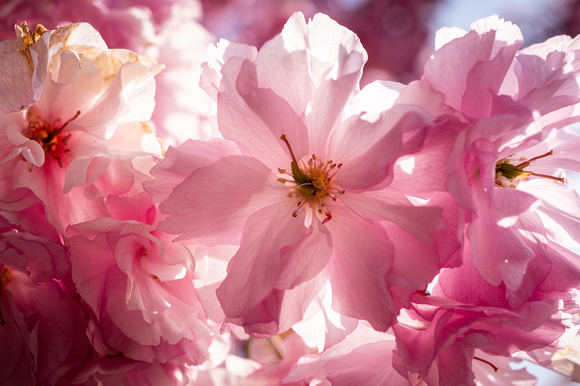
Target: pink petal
column 23, row 72
column 463, row 81
column 239, row 123
column 362, row 257
column 305, row 260
column 363, row 357
column 275, row 112
column 391, row 205
column 255, row 268
column 506, row 259
column 367, row 150
column 213, row 203
column 179, row 162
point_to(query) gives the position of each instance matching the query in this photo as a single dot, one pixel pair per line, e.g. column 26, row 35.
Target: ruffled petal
column 255, row 268
column 361, row 259
column 212, row 204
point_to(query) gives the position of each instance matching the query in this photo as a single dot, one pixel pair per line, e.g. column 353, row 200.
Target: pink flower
column 74, row 135
column 139, row 289
column 501, row 158
column 305, row 192
column 440, row 343
column 167, row 31
column 41, row 326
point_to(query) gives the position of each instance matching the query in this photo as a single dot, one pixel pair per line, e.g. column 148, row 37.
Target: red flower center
column 312, row 183
column 49, row 135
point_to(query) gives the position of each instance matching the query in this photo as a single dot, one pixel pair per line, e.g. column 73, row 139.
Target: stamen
column 524, row 164
column 506, row 171
column 561, row 179
column 313, row 183
column 495, row 368
column 48, row 135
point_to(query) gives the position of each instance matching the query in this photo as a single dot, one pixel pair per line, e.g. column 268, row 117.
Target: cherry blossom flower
column 139, row 288
column 41, row 325
column 500, row 156
column 74, row 135
column 304, row 191
column 439, row 338
column 167, row 31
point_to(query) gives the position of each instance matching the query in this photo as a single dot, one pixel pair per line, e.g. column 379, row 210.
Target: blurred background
column 398, row 34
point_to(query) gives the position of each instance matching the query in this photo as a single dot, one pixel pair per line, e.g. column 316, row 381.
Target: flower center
column 29, row 37
column 508, row 172
column 312, row 183
column 49, row 136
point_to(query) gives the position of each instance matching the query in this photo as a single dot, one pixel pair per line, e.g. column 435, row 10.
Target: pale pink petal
column 322, row 327
column 239, row 123
column 363, row 357
column 276, row 113
column 367, row 150
column 23, row 71
column 294, row 84
column 212, row 204
column 305, row 260
column 391, row 205
column 328, row 102
column 179, row 162
column 69, row 69
column 217, row 56
column 255, row 268
column 465, row 81
column 506, row 259
column 280, row 310
column 361, row 259
column 421, row 173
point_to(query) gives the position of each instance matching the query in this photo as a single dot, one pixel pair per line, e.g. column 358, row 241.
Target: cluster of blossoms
column 317, row 233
